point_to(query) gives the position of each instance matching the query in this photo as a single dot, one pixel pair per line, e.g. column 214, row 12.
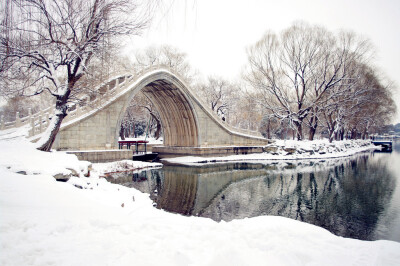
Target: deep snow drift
column 45, row 222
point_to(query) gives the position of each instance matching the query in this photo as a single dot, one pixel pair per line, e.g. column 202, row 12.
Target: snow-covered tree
column 50, row 45
column 220, row 95
column 293, row 71
column 365, row 102
column 141, row 111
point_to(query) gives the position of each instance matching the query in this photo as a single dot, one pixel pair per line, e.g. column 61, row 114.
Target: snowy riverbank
column 289, row 150
column 45, row 222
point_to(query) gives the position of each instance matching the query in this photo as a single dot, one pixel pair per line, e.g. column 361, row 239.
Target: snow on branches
column 309, row 76
column 49, row 45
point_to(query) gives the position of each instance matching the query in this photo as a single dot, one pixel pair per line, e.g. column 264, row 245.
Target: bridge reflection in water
column 349, row 197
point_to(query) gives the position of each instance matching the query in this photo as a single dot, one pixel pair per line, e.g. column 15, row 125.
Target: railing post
column 17, row 120
column 77, row 110
column 32, row 131
column 2, row 124
column 117, row 84
column 40, row 122
column 47, row 119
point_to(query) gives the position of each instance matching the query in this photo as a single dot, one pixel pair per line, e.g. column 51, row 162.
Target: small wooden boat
column 384, row 141
column 150, row 156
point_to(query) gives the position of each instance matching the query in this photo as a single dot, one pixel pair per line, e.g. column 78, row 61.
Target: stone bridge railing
column 38, row 122
column 101, row 96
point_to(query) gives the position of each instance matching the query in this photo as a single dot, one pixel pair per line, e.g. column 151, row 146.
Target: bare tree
column 135, row 117
column 13, row 106
column 141, row 112
column 214, row 92
column 165, row 55
column 365, row 102
column 220, row 95
column 294, row 71
column 51, row 44
column 154, row 123
column 245, row 112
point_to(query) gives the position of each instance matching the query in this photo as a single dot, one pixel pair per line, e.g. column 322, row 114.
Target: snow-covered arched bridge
column 189, row 127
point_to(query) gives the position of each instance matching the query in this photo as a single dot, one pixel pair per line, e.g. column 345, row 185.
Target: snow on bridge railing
column 38, row 121
column 100, row 96
column 103, row 93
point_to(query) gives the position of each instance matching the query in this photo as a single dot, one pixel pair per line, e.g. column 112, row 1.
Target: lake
column 356, row 197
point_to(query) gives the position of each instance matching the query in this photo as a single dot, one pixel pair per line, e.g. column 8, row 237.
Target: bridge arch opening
column 170, row 98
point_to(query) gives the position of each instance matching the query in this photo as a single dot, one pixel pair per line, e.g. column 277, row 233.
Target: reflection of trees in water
column 367, row 191
column 346, row 199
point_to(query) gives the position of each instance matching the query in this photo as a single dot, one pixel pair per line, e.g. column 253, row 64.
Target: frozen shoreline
column 45, row 222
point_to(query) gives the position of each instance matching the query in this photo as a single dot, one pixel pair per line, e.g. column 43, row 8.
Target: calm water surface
column 356, row 197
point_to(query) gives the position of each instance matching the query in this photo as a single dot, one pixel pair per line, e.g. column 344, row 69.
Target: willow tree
column 50, row 45
column 365, row 103
column 293, row 71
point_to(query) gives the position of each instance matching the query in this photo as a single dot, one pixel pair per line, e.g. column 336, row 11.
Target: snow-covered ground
column 45, row 222
column 288, row 150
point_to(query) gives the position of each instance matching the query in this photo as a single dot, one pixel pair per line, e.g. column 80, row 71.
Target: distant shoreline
column 287, row 151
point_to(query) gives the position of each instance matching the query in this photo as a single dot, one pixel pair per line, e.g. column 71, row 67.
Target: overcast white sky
column 215, row 33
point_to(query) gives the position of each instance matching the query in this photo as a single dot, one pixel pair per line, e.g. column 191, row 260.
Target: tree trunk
column 47, row 140
column 331, row 130
column 366, row 131
column 122, row 132
column 331, row 123
column 353, row 133
column 269, row 129
column 158, row 131
column 331, row 135
column 312, row 133
column 341, row 134
column 299, row 130
column 313, row 127
column 158, row 125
